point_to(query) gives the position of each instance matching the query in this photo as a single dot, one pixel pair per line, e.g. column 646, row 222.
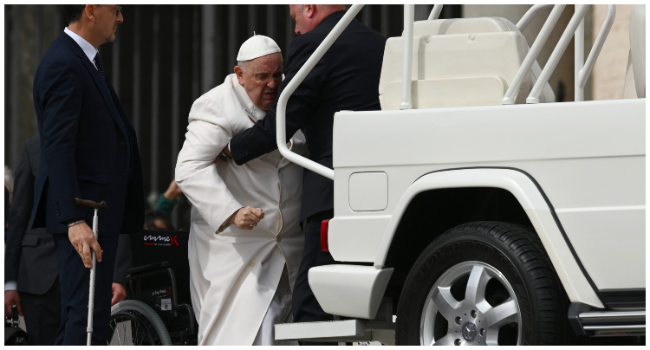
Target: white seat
column 635, row 77
column 459, row 63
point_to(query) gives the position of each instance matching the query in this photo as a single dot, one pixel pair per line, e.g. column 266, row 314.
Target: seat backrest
column 463, row 26
column 635, row 77
column 459, row 63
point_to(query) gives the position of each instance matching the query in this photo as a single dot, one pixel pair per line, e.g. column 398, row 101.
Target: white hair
column 242, row 65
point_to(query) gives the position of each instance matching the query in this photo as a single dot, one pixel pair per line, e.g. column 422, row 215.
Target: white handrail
column 281, row 128
column 509, row 97
column 578, row 60
column 435, row 12
column 553, row 61
column 598, row 46
column 407, row 67
column 528, row 16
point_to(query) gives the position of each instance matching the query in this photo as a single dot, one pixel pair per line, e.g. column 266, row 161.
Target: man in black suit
column 31, row 274
column 346, row 78
column 89, row 151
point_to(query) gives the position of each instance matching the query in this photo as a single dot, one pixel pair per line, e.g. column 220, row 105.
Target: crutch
column 91, row 294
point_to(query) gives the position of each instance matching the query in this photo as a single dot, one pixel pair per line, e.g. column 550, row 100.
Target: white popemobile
column 472, row 210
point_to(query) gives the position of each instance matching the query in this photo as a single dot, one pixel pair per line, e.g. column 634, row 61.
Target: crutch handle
column 90, row 204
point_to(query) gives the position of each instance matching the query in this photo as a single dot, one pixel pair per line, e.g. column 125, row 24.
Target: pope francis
column 245, row 241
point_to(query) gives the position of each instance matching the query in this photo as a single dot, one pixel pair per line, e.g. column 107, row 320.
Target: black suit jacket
column 346, row 78
column 29, row 254
column 87, row 142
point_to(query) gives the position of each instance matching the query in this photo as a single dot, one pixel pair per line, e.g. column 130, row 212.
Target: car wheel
column 482, row 283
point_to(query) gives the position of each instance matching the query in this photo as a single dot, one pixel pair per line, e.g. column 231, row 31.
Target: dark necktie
column 100, row 67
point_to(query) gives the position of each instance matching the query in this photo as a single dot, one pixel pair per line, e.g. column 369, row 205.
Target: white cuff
column 11, row 285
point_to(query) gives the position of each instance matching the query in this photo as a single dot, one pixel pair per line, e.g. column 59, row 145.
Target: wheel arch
column 517, row 192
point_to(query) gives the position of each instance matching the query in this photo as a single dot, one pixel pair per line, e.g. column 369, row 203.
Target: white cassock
column 238, row 280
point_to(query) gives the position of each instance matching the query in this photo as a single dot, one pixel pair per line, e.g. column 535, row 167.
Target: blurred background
column 166, row 56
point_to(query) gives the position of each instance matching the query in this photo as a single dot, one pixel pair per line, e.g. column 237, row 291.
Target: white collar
column 87, row 47
column 247, row 104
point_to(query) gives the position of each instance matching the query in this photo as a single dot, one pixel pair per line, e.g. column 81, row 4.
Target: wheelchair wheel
column 135, row 323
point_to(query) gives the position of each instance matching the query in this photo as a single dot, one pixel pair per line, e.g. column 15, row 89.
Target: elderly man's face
column 106, row 21
column 261, row 78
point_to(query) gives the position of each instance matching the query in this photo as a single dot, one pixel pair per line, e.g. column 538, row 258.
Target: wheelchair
column 158, row 308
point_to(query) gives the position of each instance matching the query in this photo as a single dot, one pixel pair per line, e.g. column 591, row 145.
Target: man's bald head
column 308, row 17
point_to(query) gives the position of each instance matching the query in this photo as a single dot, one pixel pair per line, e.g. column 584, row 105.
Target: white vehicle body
column 583, row 163
column 574, row 171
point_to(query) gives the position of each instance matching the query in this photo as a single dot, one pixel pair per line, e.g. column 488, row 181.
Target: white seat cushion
column 458, row 63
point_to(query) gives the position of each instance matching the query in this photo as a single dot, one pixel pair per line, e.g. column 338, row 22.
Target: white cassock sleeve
column 207, row 134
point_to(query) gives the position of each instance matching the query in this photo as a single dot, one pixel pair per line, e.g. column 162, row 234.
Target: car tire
column 483, row 283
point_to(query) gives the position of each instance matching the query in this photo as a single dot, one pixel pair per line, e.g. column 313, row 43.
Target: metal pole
column 528, row 16
column 509, row 97
column 552, row 62
column 435, row 13
column 598, row 46
column 579, row 59
column 407, row 67
column 91, row 294
column 281, row 122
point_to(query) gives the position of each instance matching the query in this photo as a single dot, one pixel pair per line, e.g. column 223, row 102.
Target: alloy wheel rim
column 488, row 307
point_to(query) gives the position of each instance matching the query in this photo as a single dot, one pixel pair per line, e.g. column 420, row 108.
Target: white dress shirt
column 87, row 47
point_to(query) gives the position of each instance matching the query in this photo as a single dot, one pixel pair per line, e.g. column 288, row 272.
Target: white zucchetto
column 257, row 46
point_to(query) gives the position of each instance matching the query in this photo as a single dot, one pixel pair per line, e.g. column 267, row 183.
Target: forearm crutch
column 91, row 294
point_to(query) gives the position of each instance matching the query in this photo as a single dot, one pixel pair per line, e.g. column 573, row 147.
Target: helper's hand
column 173, row 191
column 226, row 150
column 12, row 297
column 246, row 218
column 119, row 293
column 224, row 156
column 83, row 240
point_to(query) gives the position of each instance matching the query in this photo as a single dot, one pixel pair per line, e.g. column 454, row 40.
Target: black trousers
column 304, row 306
column 42, row 315
column 75, row 282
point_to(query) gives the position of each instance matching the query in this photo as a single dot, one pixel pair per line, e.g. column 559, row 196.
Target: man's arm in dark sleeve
column 261, row 138
column 60, row 93
column 122, row 259
column 19, row 215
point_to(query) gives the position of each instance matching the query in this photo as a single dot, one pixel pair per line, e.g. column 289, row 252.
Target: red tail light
column 323, row 235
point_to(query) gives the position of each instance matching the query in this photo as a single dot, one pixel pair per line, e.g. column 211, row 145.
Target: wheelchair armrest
column 147, row 268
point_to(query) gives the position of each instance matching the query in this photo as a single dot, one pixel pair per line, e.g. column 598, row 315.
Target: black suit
column 30, row 258
column 346, row 78
column 89, row 150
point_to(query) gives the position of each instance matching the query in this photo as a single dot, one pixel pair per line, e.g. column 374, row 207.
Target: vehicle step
column 613, row 323
column 337, row 331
